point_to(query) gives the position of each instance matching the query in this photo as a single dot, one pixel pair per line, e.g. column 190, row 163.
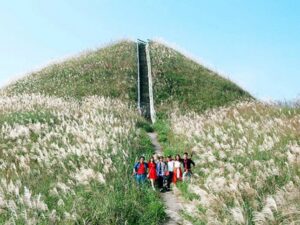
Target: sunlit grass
column 247, row 163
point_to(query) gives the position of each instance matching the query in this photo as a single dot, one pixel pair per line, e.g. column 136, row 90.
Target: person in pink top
column 177, row 174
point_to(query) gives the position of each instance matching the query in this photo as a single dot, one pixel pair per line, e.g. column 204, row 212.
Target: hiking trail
column 172, row 202
column 146, row 108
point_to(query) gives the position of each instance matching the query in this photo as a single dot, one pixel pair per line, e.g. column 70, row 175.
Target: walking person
column 187, row 162
column 161, row 169
column 156, row 158
column 170, row 166
column 177, row 174
column 140, row 170
column 152, row 174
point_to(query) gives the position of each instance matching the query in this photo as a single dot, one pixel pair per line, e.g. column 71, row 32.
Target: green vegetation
column 52, row 162
column 172, row 144
column 145, row 125
column 121, row 201
column 109, row 71
column 247, row 163
column 179, row 80
column 24, row 118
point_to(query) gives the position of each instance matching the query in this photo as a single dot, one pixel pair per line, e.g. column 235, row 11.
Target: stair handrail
column 152, row 111
column 139, row 40
column 138, row 79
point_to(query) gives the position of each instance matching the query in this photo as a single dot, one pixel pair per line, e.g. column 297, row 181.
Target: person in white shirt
column 170, row 164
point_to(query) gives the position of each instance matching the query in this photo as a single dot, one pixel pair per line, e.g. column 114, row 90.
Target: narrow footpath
column 172, row 203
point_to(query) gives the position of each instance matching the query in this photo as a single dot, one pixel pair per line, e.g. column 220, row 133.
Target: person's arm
column 166, row 168
column 192, row 162
column 146, row 167
column 134, row 169
column 181, row 162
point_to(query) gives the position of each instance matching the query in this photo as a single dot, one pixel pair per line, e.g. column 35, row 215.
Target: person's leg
column 174, row 180
column 143, row 178
column 165, row 182
column 170, row 178
column 184, row 176
column 152, row 184
column 138, row 178
column 160, row 182
column 168, row 181
column 187, row 176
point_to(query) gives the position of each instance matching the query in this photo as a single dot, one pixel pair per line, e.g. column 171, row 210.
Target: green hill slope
column 177, row 79
column 109, row 71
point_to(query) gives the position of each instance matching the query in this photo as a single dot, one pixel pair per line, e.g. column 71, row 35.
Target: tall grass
column 70, row 162
column 247, row 164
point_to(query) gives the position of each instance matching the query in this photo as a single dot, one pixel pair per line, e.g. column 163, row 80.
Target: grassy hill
column 60, row 126
column 111, row 71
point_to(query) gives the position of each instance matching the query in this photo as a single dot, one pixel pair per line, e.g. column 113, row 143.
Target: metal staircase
column 144, row 82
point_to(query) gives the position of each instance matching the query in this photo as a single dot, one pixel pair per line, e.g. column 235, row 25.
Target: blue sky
column 254, row 43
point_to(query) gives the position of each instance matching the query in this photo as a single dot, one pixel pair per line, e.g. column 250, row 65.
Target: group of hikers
column 163, row 172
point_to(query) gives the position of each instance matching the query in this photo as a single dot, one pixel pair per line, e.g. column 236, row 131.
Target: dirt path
column 172, row 203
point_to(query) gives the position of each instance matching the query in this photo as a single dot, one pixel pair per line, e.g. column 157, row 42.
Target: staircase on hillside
column 145, row 96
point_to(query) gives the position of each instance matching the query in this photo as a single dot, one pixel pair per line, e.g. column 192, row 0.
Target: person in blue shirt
column 161, row 169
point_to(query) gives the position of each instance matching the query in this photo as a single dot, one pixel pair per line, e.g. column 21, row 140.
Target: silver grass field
column 248, row 163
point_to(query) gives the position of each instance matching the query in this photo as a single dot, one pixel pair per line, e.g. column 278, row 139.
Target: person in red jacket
column 140, row 170
column 152, row 173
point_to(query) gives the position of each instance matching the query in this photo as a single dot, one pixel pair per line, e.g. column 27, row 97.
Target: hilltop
column 112, row 72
